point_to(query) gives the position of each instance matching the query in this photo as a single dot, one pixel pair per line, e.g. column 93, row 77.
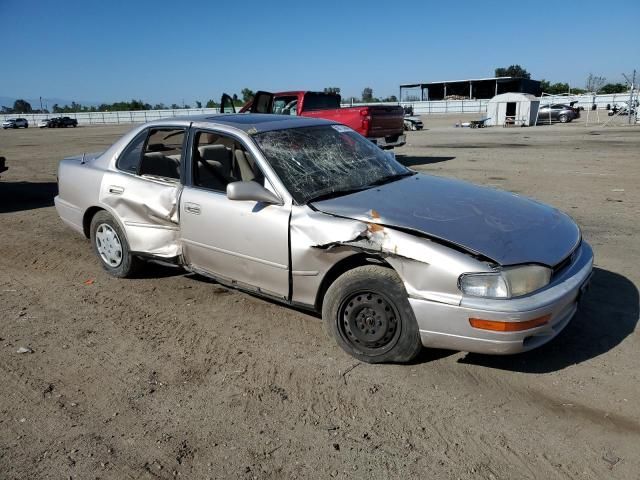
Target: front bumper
column 447, row 326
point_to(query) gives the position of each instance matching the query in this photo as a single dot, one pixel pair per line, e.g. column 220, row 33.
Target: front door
column 241, row 242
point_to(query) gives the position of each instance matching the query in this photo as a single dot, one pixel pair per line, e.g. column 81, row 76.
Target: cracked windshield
column 316, row 163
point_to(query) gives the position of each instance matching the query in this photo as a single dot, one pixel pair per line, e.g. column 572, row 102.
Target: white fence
column 113, row 118
column 480, row 106
column 419, row 108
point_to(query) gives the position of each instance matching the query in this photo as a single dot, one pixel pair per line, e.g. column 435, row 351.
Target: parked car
column 557, row 112
column 60, row 122
column 15, row 123
column 310, row 213
column 45, row 123
column 382, row 124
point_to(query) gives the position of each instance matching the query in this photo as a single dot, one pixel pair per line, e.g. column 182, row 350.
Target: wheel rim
column 109, row 245
column 369, row 322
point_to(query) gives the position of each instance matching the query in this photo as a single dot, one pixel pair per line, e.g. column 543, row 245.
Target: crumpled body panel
column 428, row 269
column 502, row 226
column 148, row 211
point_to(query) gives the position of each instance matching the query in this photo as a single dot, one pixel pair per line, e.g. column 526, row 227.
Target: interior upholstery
column 214, row 167
column 246, row 172
column 155, row 163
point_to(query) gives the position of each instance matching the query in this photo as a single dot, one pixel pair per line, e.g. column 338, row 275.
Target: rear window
column 129, row 159
column 320, row 101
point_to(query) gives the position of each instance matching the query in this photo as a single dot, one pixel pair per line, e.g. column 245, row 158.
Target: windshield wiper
column 390, row 178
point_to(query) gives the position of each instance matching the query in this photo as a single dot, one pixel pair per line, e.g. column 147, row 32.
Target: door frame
column 241, row 137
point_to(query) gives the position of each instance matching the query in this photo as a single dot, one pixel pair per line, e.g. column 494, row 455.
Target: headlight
column 506, row 283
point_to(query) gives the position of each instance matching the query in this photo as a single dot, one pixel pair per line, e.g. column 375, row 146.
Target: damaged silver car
column 311, row 214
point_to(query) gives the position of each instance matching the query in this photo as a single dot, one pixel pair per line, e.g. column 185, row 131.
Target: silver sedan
column 312, row 214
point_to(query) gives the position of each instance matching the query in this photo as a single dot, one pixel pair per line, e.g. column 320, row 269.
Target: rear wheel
column 111, row 247
column 564, row 118
column 368, row 313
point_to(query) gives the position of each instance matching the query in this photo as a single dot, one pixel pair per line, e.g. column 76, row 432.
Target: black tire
column 26, row 126
column 367, row 311
column 563, row 118
column 128, row 264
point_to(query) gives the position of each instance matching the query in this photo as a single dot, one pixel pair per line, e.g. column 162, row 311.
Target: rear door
column 240, row 242
column 262, row 102
column 143, row 192
column 226, row 104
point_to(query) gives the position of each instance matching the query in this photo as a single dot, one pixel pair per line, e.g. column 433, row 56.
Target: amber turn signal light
column 498, row 326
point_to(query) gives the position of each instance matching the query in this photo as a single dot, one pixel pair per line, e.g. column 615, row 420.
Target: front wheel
column 367, row 311
column 111, row 247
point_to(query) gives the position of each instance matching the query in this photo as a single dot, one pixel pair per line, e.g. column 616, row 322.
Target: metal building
column 478, row 88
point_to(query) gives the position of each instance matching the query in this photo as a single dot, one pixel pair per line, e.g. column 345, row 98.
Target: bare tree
column 594, row 83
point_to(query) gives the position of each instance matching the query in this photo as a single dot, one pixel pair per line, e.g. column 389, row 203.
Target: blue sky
column 170, row 51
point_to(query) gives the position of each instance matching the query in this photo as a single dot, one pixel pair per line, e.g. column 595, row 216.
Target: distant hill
column 50, row 102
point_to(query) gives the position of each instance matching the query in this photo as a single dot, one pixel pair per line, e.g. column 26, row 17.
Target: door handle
column 192, row 208
column 116, row 190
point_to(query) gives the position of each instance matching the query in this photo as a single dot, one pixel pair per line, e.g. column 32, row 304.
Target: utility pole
column 632, row 84
column 41, row 105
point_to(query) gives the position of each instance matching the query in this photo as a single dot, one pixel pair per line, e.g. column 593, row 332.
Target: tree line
column 22, row 106
column 594, row 83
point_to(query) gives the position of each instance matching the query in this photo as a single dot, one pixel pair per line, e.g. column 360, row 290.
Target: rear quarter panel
column 78, row 189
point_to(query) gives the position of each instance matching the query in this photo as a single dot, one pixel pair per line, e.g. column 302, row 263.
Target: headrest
column 217, row 153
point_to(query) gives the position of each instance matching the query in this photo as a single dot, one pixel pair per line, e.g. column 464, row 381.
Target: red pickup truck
column 382, row 124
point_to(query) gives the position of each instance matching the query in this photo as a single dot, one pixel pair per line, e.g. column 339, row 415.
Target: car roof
column 255, row 122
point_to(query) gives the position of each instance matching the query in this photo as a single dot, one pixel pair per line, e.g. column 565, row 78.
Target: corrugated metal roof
column 407, row 85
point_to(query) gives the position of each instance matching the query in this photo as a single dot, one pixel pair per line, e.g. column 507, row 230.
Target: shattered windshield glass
column 325, row 161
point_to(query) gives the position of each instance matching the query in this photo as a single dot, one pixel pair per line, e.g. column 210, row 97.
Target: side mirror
column 251, row 191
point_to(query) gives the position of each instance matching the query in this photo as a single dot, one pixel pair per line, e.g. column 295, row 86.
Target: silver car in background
column 15, row 123
column 312, row 214
column 557, row 113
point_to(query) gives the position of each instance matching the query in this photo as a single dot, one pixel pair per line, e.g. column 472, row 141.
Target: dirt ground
column 170, row 375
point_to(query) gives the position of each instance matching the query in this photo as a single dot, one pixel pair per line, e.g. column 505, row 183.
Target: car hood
column 505, row 227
